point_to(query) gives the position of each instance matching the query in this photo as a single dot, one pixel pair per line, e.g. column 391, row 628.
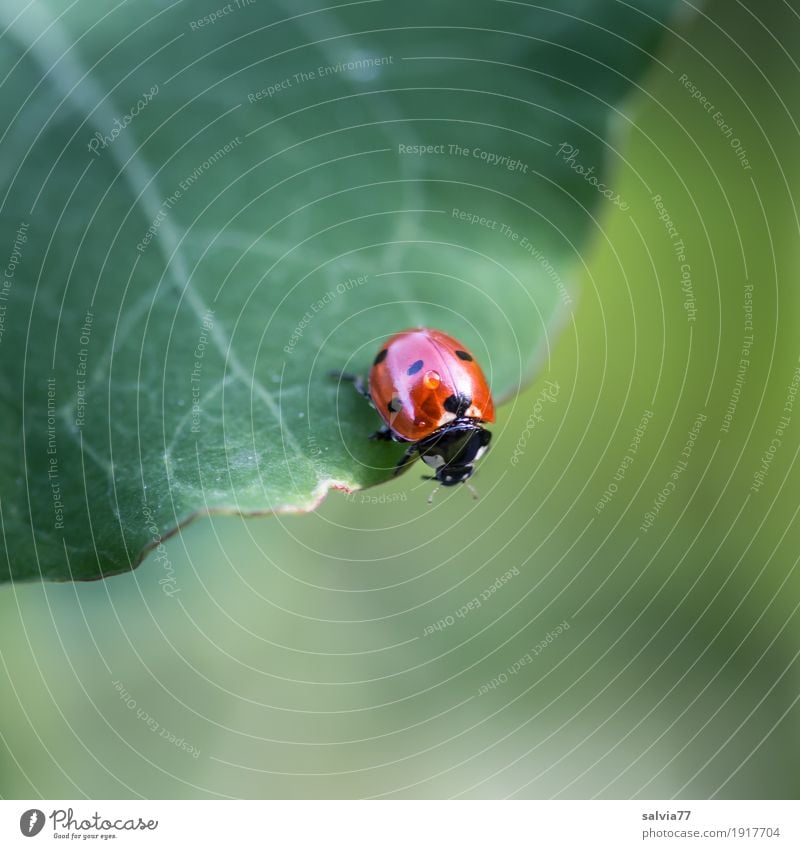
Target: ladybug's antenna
column 430, row 497
column 474, row 491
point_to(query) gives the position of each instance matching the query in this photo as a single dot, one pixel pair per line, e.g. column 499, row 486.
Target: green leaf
column 204, row 211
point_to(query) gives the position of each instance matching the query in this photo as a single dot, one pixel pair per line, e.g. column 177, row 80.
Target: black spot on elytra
column 457, row 404
column 463, row 355
column 415, row 367
column 395, row 405
column 381, row 356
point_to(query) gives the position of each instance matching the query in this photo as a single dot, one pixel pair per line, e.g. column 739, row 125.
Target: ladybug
column 431, row 394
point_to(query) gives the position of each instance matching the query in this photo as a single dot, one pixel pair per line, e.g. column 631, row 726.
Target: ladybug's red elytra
column 431, row 393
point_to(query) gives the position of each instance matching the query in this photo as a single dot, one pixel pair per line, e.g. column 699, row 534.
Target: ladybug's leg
column 409, row 455
column 383, row 433
column 356, row 379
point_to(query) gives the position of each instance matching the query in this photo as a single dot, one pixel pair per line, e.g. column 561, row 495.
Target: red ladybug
column 430, row 393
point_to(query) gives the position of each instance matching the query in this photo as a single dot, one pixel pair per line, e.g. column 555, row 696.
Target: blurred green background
column 298, row 658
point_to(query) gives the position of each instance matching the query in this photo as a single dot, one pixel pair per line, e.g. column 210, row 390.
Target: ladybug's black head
column 454, row 449
column 450, row 475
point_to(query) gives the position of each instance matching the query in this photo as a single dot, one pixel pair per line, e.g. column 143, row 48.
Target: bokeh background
column 322, row 655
